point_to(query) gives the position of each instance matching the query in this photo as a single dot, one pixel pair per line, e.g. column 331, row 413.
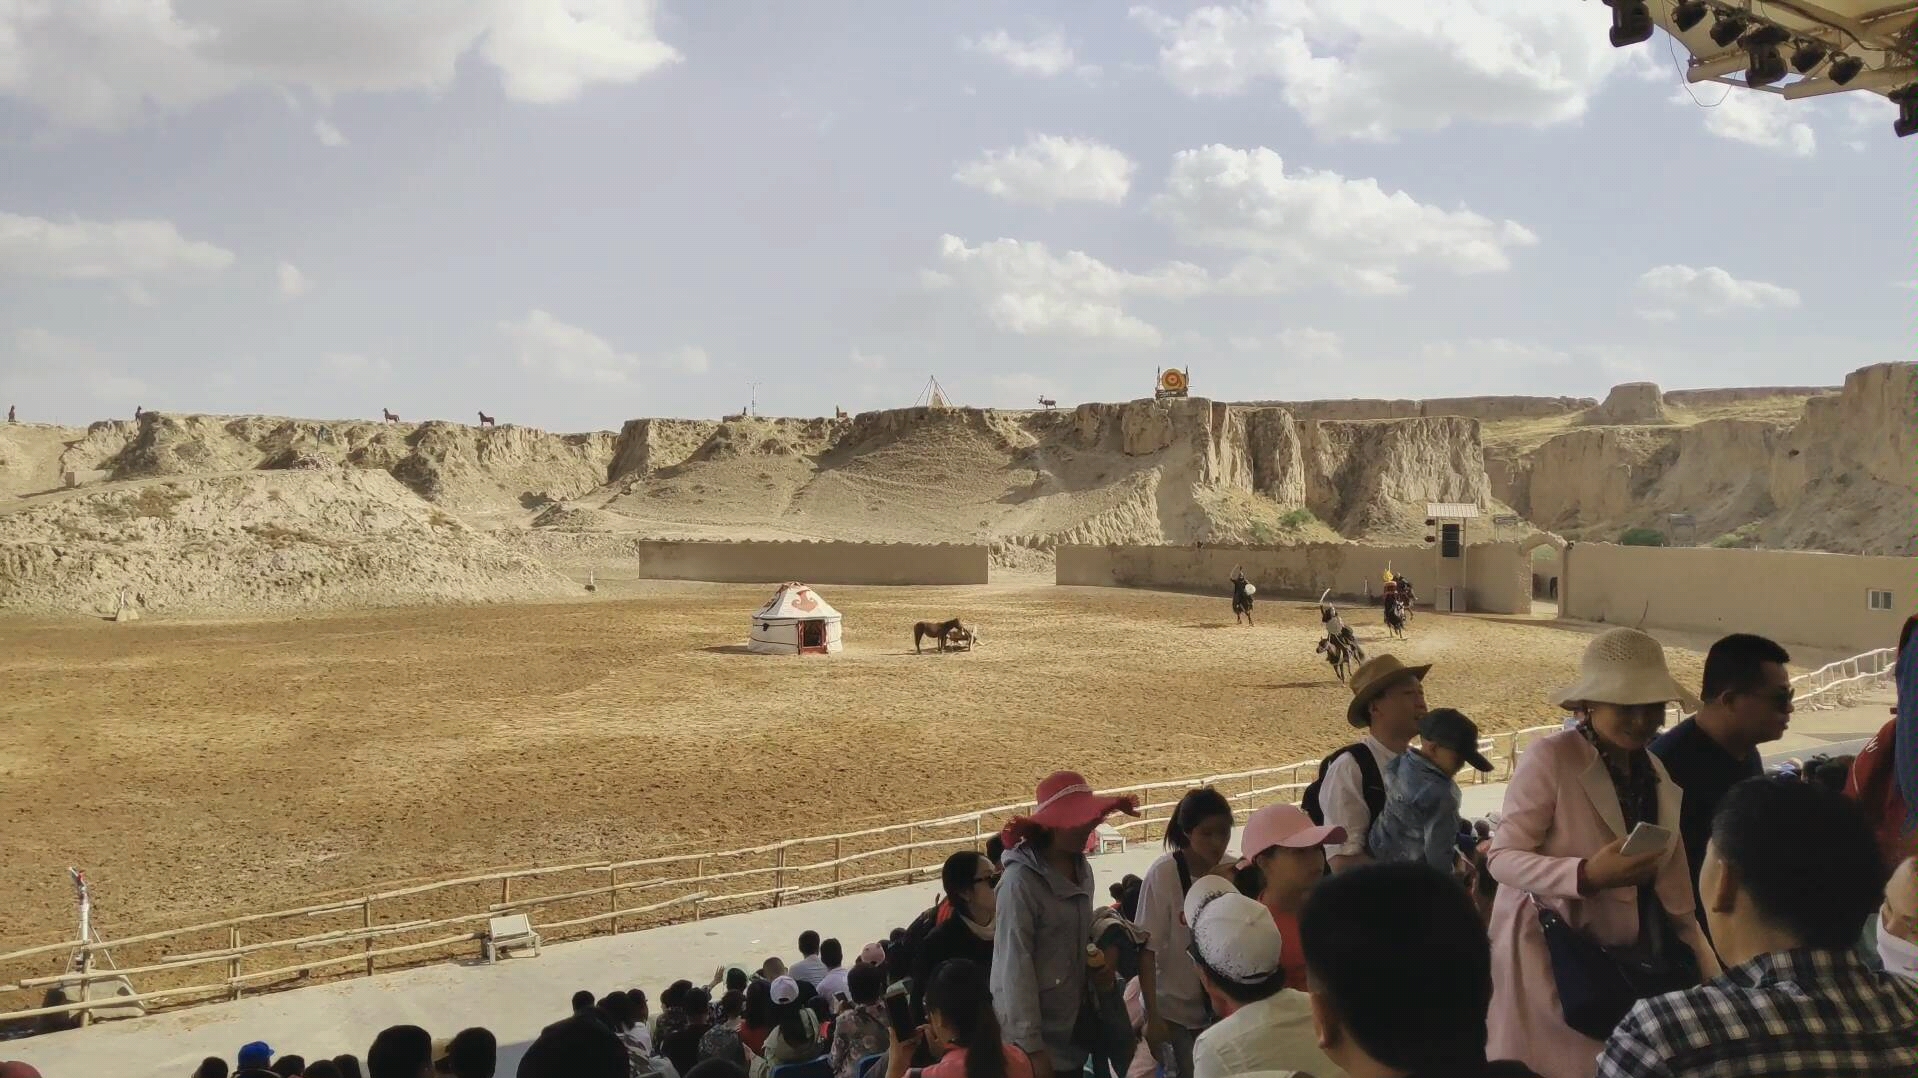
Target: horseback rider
column 1241, row 595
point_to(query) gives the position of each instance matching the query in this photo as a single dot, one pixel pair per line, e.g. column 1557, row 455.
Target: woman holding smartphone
column 1572, row 803
column 961, row 1031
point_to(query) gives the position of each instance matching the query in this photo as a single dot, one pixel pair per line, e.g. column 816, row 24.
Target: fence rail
column 587, row 895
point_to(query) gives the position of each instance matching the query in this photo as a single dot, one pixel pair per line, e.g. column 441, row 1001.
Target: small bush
column 1642, row 537
column 1261, row 533
column 1740, row 538
column 1298, row 518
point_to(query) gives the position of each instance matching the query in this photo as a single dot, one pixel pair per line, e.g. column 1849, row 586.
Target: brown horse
column 486, row 421
column 946, row 632
column 389, row 415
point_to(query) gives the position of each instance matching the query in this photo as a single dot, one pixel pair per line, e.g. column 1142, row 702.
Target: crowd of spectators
column 1647, row 903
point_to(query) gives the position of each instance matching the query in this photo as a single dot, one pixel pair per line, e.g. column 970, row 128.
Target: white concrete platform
column 518, row 996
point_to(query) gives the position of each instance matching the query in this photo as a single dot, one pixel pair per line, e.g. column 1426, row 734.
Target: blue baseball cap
column 257, row 1054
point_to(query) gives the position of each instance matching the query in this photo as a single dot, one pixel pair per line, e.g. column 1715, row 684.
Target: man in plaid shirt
column 1790, row 875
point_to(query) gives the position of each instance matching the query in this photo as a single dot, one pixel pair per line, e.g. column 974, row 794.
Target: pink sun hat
column 1066, row 800
column 1283, row 825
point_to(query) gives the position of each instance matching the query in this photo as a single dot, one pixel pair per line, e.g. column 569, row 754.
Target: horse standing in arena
column 944, row 632
column 1242, row 593
column 486, row 421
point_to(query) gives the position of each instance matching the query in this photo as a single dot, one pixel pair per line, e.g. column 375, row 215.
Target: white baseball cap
column 785, row 990
column 1235, row 937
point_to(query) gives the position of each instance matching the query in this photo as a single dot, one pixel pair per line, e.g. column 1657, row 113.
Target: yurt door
column 812, row 636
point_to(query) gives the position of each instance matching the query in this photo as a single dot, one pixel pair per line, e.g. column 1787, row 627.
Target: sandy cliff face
column 1362, row 476
column 1847, row 473
column 255, row 542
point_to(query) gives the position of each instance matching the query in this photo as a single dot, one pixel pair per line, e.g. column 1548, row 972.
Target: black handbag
column 1597, row 985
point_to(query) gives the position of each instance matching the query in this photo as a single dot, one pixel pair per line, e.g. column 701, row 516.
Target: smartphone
column 899, row 1009
column 1647, row 838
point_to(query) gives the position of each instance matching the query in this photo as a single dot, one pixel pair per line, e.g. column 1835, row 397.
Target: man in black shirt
column 1748, row 703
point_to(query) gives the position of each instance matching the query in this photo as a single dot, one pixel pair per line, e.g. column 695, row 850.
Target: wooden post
column 979, row 834
column 699, row 875
column 233, row 967
column 86, row 982
column 506, row 890
column 912, row 836
column 612, row 897
column 366, row 921
column 838, row 869
column 779, row 879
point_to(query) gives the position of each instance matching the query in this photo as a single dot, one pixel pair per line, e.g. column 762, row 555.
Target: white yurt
column 796, row 621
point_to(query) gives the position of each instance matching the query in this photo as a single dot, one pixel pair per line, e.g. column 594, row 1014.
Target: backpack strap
column 1372, row 780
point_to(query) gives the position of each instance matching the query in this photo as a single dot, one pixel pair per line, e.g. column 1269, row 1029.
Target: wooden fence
column 445, row 920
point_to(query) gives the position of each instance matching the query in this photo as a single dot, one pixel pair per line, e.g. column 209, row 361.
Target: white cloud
column 1025, row 387
column 1304, row 344
column 40, row 360
column 328, row 135
column 1024, row 288
column 80, row 250
column 1495, row 353
column 354, row 365
column 549, row 346
column 1050, row 169
column 1671, row 291
column 1309, row 226
column 1371, row 69
column 1046, row 55
column 690, row 359
column 293, row 283
column 103, row 63
column 868, row 362
column 1758, row 119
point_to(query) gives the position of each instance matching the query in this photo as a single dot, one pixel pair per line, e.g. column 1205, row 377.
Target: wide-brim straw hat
column 1374, row 676
column 1624, row 666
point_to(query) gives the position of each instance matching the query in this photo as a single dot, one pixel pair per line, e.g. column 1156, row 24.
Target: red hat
column 1067, row 801
column 18, row 1070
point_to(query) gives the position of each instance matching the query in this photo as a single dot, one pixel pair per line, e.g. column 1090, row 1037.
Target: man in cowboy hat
column 1388, row 700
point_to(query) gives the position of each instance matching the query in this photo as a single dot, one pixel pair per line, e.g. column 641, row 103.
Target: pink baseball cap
column 1283, row 825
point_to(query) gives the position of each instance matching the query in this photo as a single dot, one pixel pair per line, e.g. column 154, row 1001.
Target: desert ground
column 205, row 769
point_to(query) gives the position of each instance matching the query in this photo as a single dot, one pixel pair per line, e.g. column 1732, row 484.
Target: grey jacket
column 1039, row 938
column 1420, row 818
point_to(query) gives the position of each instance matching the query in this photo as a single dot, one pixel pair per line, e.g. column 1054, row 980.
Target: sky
column 569, row 213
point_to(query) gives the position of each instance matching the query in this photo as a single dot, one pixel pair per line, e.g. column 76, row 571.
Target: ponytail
column 960, row 995
column 1197, row 806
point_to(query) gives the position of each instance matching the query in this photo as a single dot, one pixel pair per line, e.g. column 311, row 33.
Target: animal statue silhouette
column 10, row 418
column 1047, row 403
column 389, row 415
column 486, row 421
column 138, row 411
column 943, row 632
column 838, row 412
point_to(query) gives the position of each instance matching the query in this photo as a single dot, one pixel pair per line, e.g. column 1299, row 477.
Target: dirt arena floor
column 201, row 770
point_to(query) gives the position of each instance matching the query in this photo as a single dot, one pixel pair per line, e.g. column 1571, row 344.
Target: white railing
column 587, row 897
column 1826, row 685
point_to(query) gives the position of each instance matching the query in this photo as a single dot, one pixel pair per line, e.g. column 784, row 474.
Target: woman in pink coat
column 1571, row 802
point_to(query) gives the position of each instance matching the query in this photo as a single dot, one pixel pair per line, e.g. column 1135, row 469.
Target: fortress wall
column 813, row 563
column 1793, row 596
column 1353, row 572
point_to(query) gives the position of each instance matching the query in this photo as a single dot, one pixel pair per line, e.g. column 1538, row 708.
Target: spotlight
column 1631, row 22
column 1807, row 56
column 1687, row 14
column 1844, row 68
column 1767, row 63
column 1728, row 28
column 1906, row 99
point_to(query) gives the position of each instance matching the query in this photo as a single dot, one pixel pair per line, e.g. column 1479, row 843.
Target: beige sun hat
column 1624, row 666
